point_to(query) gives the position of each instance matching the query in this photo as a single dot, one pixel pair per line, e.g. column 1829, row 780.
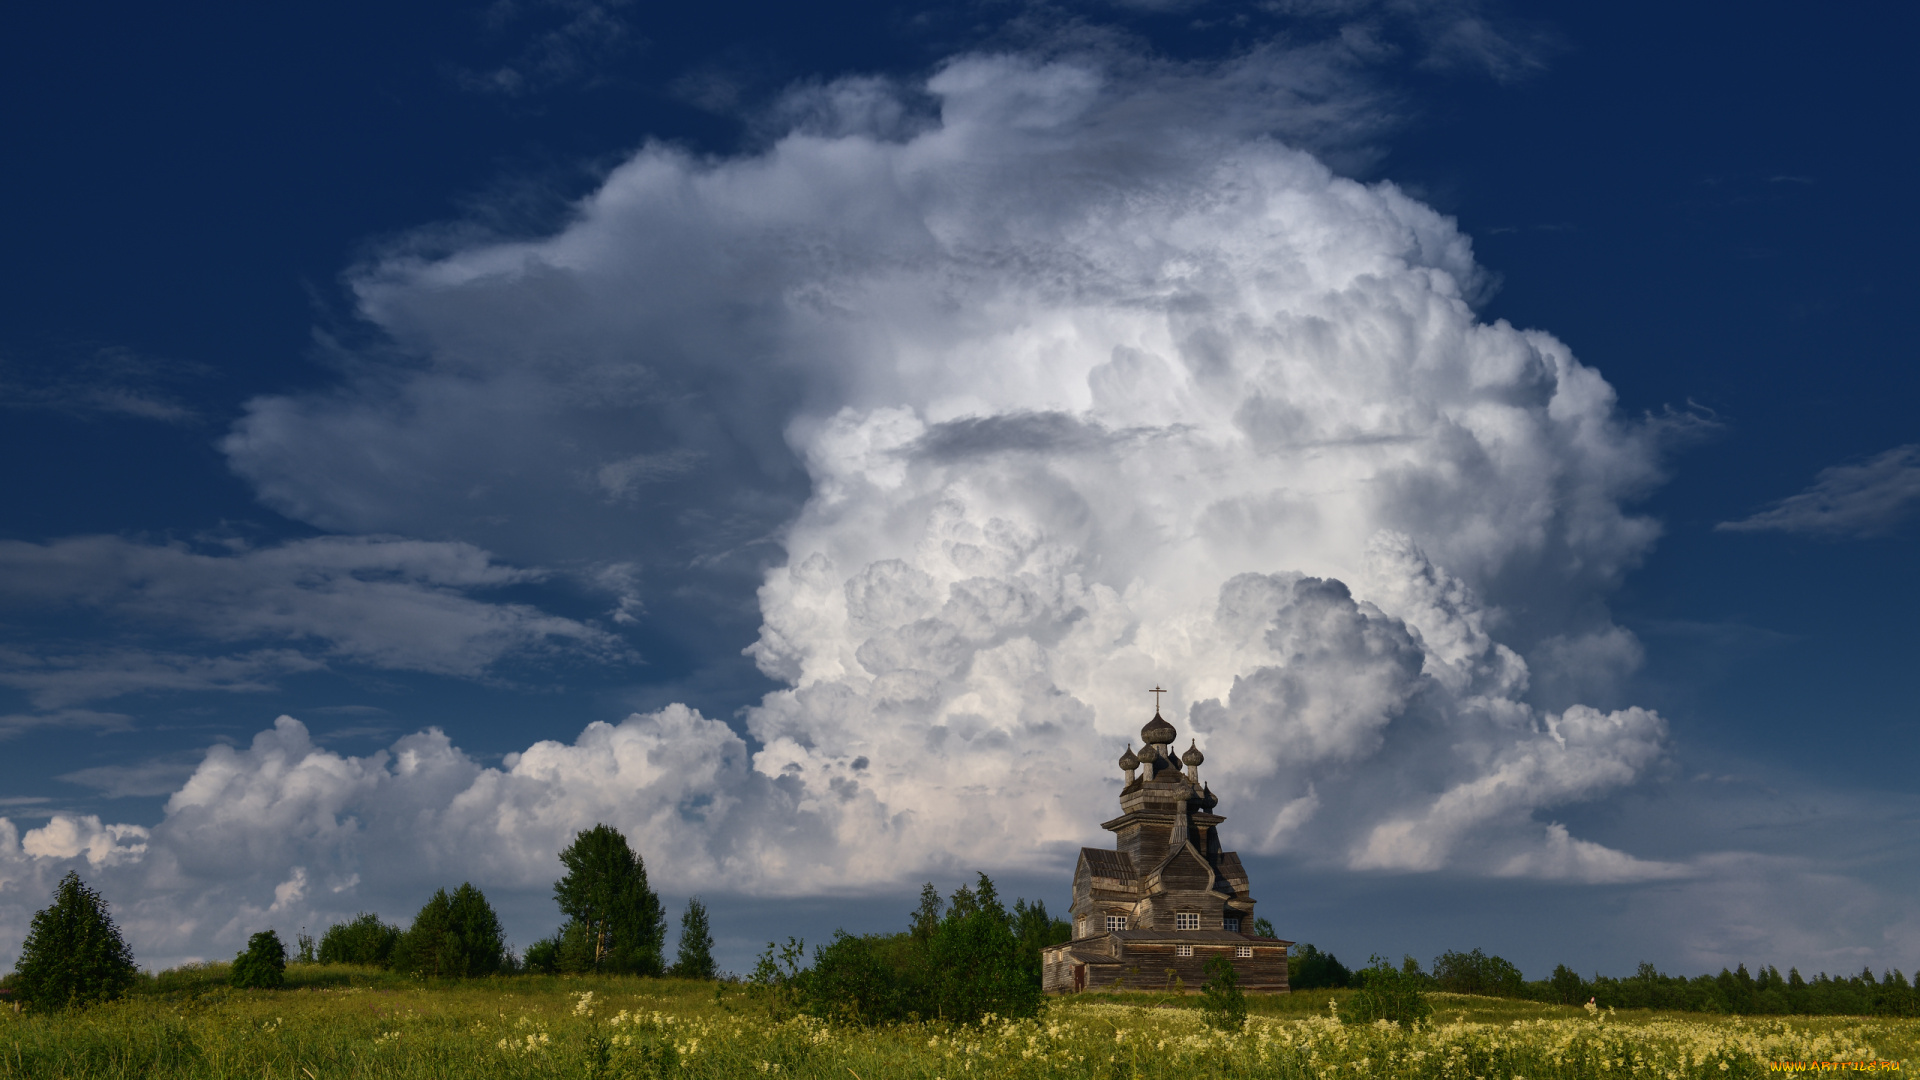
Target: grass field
column 350, row 1022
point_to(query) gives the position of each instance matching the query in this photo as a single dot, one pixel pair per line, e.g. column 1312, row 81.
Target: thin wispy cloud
column 1869, row 499
column 560, row 44
column 75, row 719
column 158, row 776
column 236, row 620
column 101, row 381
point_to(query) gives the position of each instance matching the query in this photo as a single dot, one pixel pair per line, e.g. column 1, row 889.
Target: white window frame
column 1243, row 951
column 1116, row 922
column 1183, row 950
column 1186, row 920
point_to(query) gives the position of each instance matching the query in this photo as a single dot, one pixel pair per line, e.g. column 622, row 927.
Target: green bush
column 851, row 981
column 977, row 964
column 74, row 954
column 1390, row 994
column 263, row 966
column 777, row 985
column 975, row 959
column 1222, row 1002
column 542, row 957
column 365, row 940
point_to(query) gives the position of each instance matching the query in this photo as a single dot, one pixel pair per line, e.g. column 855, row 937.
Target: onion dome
column 1157, row 732
column 1208, row 800
column 1193, row 756
column 1128, row 761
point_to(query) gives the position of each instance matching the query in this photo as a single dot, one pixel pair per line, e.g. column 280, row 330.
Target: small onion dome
column 1193, row 756
column 1157, row 731
column 1208, row 800
column 1128, row 761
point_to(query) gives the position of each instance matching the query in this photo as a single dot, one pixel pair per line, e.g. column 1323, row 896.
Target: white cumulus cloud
column 1067, row 393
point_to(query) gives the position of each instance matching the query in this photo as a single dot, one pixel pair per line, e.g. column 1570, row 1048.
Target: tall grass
column 337, row 1021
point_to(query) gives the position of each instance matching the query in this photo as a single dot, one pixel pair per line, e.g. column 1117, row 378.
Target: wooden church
column 1167, row 899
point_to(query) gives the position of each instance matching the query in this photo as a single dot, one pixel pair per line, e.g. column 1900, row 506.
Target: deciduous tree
column 615, row 921
column 365, row 940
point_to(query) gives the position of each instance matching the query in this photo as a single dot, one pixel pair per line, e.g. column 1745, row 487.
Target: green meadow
column 338, row 1021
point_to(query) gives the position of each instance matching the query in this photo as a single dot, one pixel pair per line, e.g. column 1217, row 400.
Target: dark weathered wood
column 1154, row 964
column 1167, row 862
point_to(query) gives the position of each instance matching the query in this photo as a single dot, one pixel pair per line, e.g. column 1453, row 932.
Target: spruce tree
column 695, row 959
column 926, row 917
column 454, row 936
column 615, row 923
column 74, row 954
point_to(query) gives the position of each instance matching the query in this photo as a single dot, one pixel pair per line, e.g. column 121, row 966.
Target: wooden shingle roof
column 1109, row 864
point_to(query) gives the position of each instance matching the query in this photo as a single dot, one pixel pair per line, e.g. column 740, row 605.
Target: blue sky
column 1494, row 422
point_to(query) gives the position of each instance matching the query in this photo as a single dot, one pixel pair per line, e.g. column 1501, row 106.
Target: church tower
column 1167, row 898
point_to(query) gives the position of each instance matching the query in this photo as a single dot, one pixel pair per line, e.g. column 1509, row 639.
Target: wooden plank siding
column 1110, row 964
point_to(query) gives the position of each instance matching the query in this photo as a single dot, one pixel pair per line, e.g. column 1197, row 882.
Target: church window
column 1186, row 920
column 1116, row 922
column 1231, row 924
column 1183, row 950
column 1243, row 951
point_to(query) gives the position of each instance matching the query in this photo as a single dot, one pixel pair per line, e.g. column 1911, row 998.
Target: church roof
column 1230, row 867
column 1157, row 732
column 1108, row 864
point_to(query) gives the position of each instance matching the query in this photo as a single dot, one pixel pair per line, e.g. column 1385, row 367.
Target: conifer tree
column 74, row 954
column 695, row 958
column 454, row 936
column 926, row 917
column 263, row 966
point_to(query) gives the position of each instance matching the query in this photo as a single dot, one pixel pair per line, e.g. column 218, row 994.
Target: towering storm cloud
column 1064, row 389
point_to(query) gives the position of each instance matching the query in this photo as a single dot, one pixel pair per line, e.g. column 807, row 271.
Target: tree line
column 1737, row 992
column 613, row 923
column 959, row 959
